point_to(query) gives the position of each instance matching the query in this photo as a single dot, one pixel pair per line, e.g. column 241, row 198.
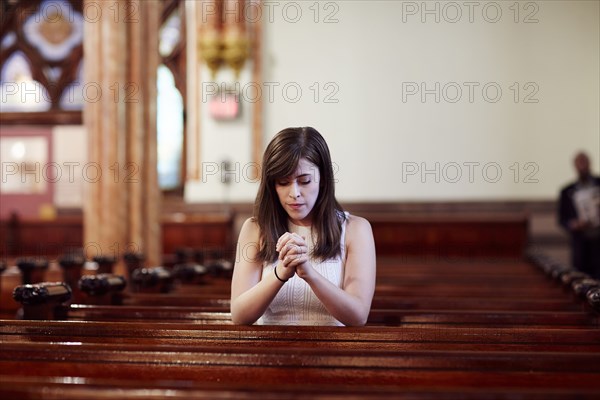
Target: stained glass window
column 170, row 34
column 41, row 64
column 73, row 95
column 171, row 97
column 18, row 90
column 41, row 51
column 55, row 30
column 170, row 129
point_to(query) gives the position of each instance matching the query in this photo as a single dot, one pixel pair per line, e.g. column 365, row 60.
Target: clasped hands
column 293, row 256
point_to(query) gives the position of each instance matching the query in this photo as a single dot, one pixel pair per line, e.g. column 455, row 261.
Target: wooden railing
column 442, row 235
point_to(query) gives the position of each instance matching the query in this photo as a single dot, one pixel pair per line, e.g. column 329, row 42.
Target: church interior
column 132, row 135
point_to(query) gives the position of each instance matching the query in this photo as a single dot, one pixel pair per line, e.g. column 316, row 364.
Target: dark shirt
column 567, row 210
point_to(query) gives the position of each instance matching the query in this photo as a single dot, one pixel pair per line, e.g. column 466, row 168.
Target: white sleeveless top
column 296, row 303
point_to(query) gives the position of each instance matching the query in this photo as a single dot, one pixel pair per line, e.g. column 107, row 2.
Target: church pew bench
column 142, row 330
column 376, row 316
column 68, row 388
column 379, row 301
column 166, row 343
column 298, row 356
column 455, row 370
column 392, row 316
column 162, row 340
column 305, row 339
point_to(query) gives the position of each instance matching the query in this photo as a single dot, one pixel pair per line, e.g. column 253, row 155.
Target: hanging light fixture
column 223, row 37
column 235, row 43
column 210, row 38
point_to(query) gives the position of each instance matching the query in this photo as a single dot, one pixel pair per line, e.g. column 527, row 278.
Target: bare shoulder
column 248, row 242
column 360, row 245
column 249, row 230
column 250, row 224
column 358, row 227
column 356, row 222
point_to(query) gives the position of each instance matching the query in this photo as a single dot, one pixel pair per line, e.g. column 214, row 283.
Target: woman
column 301, row 259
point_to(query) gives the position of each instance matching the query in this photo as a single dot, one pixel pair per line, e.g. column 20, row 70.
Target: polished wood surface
column 439, row 328
column 442, row 236
column 52, row 238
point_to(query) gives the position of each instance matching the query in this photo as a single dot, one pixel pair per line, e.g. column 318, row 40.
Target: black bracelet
column 277, row 276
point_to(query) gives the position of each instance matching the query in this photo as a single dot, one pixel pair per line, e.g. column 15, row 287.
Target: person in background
column 302, row 260
column 579, row 215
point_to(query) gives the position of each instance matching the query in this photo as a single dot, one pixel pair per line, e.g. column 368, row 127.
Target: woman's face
column 298, row 193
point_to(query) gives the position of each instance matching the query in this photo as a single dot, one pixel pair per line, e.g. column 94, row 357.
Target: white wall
column 70, row 153
column 382, row 137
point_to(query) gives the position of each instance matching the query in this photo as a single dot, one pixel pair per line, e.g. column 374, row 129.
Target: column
column 122, row 203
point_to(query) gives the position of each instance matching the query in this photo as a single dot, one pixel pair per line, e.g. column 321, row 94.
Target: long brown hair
column 280, row 160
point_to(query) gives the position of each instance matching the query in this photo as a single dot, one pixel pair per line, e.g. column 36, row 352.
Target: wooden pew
column 58, row 236
column 190, row 334
column 391, row 317
column 320, row 366
column 84, row 349
column 456, row 288
column 500, row 358
column 268, row 366
column 460, row 338
column 68, row 388
column 561, row 303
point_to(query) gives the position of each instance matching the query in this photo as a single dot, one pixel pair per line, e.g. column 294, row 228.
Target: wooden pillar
column 122, row 205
